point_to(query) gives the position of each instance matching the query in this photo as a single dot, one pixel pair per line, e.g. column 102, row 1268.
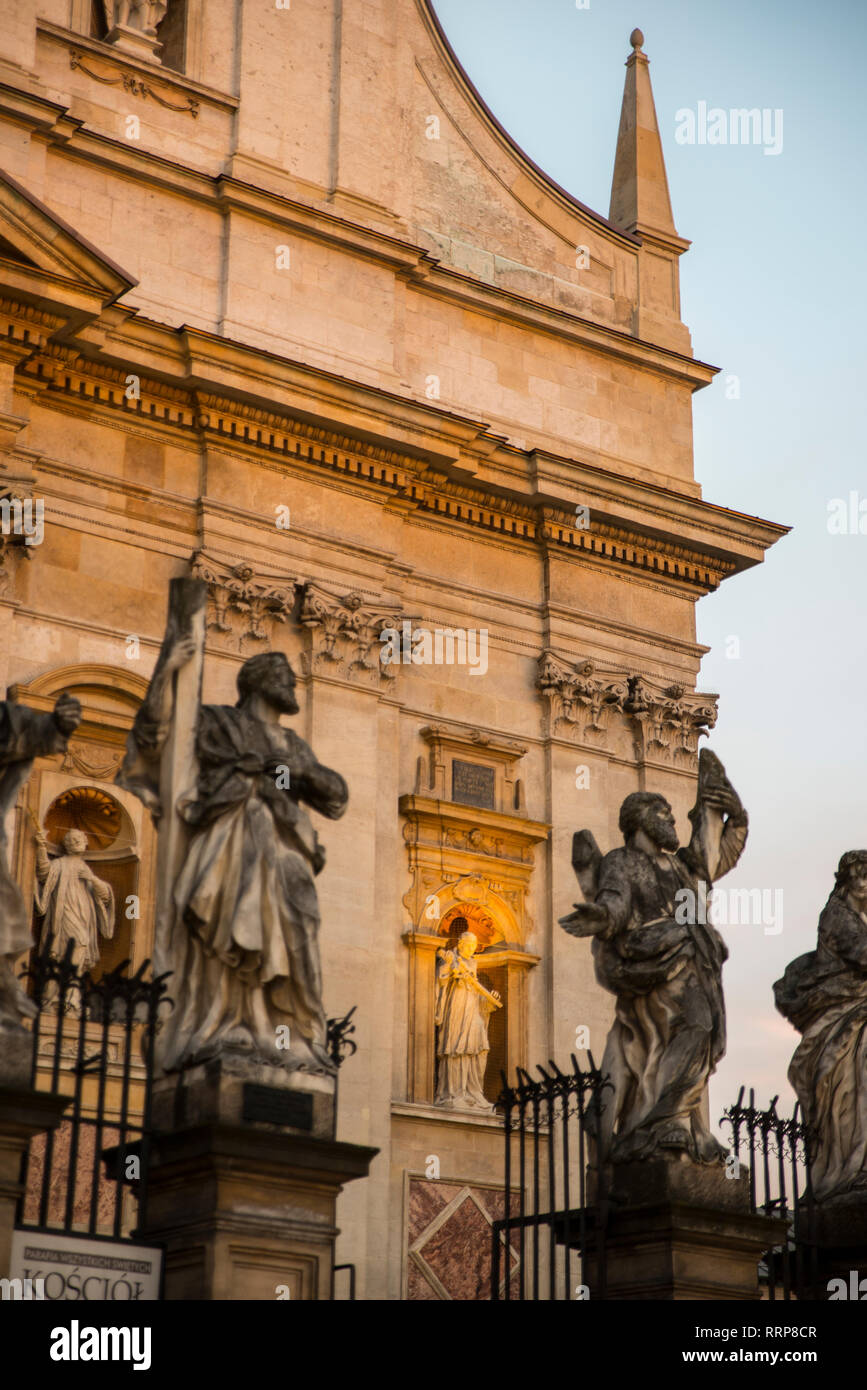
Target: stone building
column 285, row 307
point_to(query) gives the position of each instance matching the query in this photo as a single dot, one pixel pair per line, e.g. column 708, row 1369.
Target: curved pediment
column 533, row 190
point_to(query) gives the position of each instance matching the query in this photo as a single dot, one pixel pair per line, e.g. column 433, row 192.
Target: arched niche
column 503, row 965
column 111, row 854
column 66, row 783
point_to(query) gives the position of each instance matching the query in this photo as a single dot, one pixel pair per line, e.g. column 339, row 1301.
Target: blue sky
column 773, row 291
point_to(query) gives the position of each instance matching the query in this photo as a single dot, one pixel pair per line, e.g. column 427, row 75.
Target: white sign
column 73, row 1268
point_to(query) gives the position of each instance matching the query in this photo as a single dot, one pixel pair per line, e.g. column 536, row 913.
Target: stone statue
column 824, row 994
column 462, row 1011
column 77, row 906
column 240, row 930
column 654, row 948
column 139, row 14
column 25, row 734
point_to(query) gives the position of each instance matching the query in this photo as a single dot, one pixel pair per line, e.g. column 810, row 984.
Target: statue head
column 467, row 943
column 851, row 877
column 650, row 812
column 75, row 842
column 270, row 676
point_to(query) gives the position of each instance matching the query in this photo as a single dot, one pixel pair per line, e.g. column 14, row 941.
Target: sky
column 773, row 291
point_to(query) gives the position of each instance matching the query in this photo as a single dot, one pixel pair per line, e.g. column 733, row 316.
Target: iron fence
column 85, row 1035
column 559, row 1248
column 777, row 1151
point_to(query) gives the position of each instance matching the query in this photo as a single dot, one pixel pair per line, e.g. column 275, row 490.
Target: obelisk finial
column 636, row 38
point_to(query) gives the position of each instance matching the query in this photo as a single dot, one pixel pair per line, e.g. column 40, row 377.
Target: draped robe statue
column 654, row 949
column 25, row 734
column 77, row 906
column 462, row 1011
column 824, row 994
column 241, row 929
column 136, row 14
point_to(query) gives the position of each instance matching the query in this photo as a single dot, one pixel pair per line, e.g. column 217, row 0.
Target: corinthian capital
column 345, row 630
column 243, row 607
column 582, row 697
column 668, row 720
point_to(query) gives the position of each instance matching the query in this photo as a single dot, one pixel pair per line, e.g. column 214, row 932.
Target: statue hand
column 182, row 652
column 67, row 713
column 586, row 920
column 724, row 799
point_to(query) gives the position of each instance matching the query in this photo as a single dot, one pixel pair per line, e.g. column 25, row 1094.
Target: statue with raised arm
column 655, row 949
column 77, row 906
column 462, row 1010
column 25, row 734
column 239, row 923
column 824, row 995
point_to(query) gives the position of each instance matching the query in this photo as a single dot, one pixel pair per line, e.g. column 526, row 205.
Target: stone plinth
column 24, row 1113
column 839, row 1229
column 235, row 1091
column 244, row 1207
column 135, row 42
column 678, row 1230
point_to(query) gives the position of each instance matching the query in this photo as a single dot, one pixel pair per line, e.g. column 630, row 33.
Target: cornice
column 69, row 381
column 423, row 810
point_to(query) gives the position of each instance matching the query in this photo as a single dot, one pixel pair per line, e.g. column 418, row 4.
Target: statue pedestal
column 135, row 42
column 840, row 1233
column 243, row 1204
column 679, row 1230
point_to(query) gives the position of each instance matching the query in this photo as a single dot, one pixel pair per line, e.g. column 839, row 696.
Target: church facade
column 284, row 307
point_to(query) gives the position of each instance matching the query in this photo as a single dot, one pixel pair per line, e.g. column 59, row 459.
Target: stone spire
column 639, row 189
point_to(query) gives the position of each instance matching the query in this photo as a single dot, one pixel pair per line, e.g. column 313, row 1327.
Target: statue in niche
column 77, row 906
column 138, row 14
column 824, row 995
column 25, row 734
column 239, row 922
column 463, row 1007
column 655, row 949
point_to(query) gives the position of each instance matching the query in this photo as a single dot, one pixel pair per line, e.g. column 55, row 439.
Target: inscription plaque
column 473, row 785
column 273, row 1106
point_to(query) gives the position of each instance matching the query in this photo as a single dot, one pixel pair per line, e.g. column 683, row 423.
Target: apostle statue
column 136, row 14
column 824, row 994
column 25, row 734
column 77, row 906
column 463, row 1007
column 656, row 951
column 240, row 928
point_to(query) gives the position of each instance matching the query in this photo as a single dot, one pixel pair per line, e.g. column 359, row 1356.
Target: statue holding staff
column 238, row 920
